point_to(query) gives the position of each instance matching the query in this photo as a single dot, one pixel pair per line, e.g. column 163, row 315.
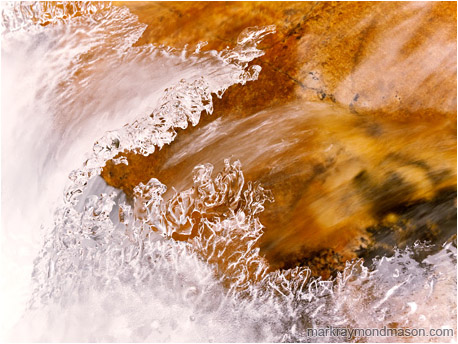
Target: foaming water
column 185, row 268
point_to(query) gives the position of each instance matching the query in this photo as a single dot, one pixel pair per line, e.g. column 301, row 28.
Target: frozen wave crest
column 181, row 269
column 212, row 271
column 65, row 109
column 26, row 14
column 218, row 218
column 182, row 103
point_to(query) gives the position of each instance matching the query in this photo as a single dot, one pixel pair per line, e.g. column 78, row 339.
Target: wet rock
column 383, row 58
column 432, row 222
column 383, row 139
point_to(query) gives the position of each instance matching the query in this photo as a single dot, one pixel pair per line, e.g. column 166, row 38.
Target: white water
column 74, row 93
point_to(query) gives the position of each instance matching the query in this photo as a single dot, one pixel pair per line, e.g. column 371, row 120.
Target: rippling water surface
column 186, row 267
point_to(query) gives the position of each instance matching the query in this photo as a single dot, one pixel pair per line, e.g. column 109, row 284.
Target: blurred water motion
column 332, row 174
column 237, row 228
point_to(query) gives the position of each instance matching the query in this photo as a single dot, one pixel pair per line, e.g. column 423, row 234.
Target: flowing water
column 83, row 262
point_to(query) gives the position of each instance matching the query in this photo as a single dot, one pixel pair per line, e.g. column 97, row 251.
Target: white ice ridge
column 184, row 269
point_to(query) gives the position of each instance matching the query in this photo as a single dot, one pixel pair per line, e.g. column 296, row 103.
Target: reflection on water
column 186, row 264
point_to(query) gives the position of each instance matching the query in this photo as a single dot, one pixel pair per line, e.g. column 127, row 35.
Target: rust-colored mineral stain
column 386, row 73
column 381, row 58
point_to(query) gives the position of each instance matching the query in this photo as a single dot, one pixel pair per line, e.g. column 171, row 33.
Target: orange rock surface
column 380, row 132
column 394, row 59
